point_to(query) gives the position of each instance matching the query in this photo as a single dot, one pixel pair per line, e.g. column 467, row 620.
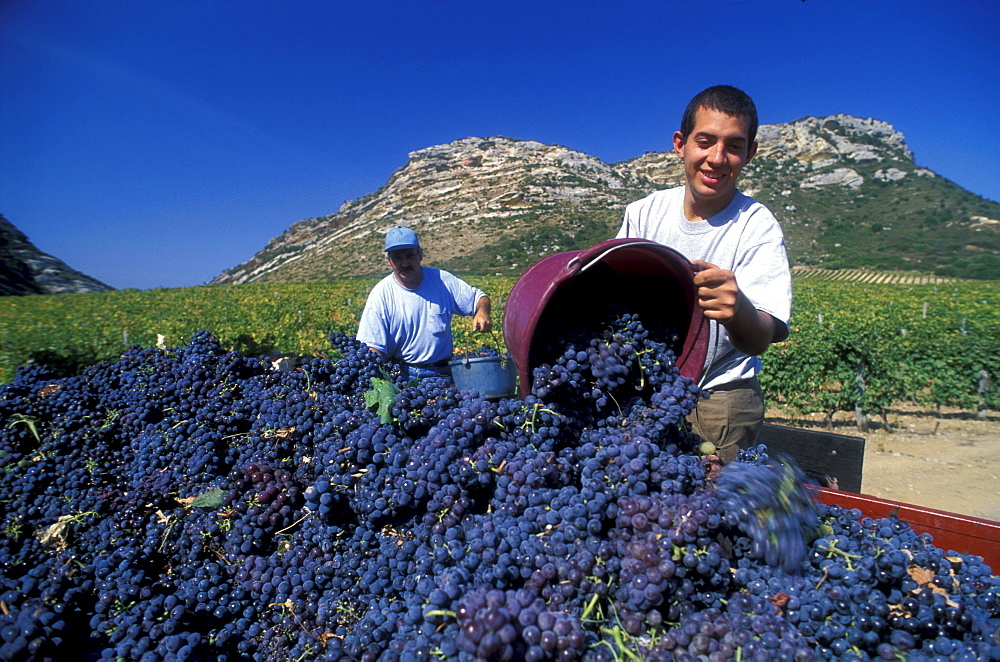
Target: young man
column 408, row 313
column 738, row 249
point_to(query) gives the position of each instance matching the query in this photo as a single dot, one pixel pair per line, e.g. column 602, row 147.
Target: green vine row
column 855, row 347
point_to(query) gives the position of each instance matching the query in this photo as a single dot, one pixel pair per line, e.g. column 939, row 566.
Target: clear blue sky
column 155, row 143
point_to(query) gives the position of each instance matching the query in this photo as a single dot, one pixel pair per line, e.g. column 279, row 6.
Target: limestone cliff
column 498, row 204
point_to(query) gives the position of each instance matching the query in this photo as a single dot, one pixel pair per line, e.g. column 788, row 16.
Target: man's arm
column 372, row 328
column 720, row 297
column 482, row 321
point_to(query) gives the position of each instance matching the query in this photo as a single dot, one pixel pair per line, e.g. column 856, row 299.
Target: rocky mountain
column 26, row 270
column 846, row 190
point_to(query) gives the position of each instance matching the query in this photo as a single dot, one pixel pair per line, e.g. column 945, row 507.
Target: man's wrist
column 738, row 308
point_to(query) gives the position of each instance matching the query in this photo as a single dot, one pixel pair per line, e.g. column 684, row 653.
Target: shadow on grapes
column 65, row 361
column 248, row 345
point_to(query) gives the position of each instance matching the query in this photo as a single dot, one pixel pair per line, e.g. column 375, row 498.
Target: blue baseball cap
column 400, row 238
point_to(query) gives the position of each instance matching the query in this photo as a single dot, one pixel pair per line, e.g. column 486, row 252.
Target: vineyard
column 859, row 347
column 856, row 345
column 868, row 276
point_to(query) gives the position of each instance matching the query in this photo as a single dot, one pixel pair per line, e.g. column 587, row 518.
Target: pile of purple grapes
column 196, row 504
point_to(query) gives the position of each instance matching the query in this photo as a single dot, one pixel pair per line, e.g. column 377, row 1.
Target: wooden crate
column 839, row 457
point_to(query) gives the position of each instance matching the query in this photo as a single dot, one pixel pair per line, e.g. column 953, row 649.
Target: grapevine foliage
column 195, row 503
column 933, row 345
column 381, row 398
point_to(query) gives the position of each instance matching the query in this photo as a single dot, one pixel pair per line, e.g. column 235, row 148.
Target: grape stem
column 833, row 549
column 298, row 521
column 27, row 421
column 441, row 612
column 620, row 646
column 530, row 424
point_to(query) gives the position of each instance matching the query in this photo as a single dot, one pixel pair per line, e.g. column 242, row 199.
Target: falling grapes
column 771, row 505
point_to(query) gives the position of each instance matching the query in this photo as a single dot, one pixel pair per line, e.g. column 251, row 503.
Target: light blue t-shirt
column 415, row 325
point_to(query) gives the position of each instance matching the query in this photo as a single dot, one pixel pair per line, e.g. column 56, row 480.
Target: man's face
column 405, row 265
column 714, row 154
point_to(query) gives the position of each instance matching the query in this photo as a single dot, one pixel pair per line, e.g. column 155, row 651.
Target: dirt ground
column 949, row 461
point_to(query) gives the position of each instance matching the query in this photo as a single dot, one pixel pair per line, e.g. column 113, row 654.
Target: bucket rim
column 483, row 359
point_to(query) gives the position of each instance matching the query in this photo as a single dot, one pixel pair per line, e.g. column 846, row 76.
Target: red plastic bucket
column 569, row 286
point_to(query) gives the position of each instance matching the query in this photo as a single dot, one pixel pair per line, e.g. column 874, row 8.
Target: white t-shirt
column 744, row 238
column 415, row 325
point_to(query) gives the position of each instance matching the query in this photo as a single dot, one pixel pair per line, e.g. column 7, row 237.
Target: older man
column 408, row 313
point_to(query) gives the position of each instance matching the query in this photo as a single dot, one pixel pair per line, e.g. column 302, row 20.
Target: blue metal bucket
column 494, row 377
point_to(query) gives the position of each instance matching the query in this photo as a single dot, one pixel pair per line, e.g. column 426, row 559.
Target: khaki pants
column 732, row 417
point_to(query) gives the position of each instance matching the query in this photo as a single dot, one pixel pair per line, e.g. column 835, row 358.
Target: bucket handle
column 607, row 252
column 468, row 348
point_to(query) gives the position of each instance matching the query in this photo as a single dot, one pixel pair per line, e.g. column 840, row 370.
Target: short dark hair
column 726, row 99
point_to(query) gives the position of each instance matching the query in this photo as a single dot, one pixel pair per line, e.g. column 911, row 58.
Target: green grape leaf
column 210, row 499
column 381, row 398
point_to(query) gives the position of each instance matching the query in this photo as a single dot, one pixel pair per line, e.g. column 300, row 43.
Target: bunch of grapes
column 515, row 625
column 193, row 503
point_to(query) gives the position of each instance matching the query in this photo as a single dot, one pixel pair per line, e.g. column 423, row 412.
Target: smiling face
column 714, row 153
column 405, row 265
